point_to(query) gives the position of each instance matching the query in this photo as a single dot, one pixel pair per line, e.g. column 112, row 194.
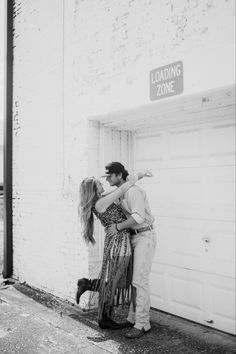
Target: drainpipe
column 7, row 179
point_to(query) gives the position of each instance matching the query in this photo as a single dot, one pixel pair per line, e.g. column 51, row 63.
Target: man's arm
column 103, row 203
column 136, row 204
column 114, row 228
column 130, row 222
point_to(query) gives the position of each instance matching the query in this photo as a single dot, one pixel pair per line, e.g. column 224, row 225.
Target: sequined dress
column 116, row 273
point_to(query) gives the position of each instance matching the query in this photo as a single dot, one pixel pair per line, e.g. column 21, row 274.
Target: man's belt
column 141, row 229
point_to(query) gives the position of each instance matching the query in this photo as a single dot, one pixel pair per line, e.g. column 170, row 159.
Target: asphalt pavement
column 32, row 321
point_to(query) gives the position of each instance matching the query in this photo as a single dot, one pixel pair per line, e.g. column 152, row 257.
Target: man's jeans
column 143, row 245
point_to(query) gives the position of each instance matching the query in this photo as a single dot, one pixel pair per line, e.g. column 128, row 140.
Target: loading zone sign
column 166, row 81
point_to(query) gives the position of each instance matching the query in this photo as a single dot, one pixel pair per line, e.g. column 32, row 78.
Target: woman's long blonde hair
column 88, row 197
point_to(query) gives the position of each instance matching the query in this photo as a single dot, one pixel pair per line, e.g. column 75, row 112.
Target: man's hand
column 111, row 230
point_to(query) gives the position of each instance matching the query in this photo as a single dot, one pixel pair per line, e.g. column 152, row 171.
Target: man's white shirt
column 135, row 204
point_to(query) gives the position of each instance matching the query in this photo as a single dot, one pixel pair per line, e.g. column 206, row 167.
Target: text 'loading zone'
column 166, row 81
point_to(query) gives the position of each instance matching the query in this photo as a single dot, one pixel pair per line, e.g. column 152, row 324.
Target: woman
column 115, row 278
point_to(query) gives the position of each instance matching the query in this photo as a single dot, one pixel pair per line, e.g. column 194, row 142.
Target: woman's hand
column 148, row 174
column 144, row 174
column 134, row 177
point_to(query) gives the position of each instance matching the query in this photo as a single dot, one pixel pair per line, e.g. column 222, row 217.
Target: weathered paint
column 77, row 59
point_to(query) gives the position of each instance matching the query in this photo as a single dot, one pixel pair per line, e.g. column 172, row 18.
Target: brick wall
column 1, row 145
column 74, row 60
column 1, row 232
column 1, row 181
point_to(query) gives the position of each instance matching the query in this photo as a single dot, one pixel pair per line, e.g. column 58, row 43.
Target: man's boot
column 85, row 284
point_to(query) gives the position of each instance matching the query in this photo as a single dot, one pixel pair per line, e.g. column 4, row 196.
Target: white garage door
column 192, row 197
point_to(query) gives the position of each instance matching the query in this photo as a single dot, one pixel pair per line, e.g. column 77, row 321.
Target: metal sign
column 166, row 81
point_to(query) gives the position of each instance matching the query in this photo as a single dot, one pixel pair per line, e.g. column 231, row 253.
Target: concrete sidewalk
column 32, row 321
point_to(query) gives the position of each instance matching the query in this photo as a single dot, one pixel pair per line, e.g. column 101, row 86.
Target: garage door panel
column 177, row 193
column 186, row 195
column 205, row 192
column 220, row 248
column 221, row 190
column 185, row 143
column 192, row 196
column 159, row 286
column 184, row 243
column 195, row 296
column 223, row 308
column 182, row 293
column 221, row 141
column 186, row 292
column 196, row 244
column 180, row 242
column 151, row 149
column 221, row 300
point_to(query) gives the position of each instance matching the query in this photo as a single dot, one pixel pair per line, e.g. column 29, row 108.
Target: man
column 143, row 241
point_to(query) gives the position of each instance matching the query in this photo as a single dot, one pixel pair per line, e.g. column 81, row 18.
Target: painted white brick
column 1, row 150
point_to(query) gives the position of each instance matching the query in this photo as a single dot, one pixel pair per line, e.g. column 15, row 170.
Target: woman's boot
column 106, row 322
column 85, row 284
